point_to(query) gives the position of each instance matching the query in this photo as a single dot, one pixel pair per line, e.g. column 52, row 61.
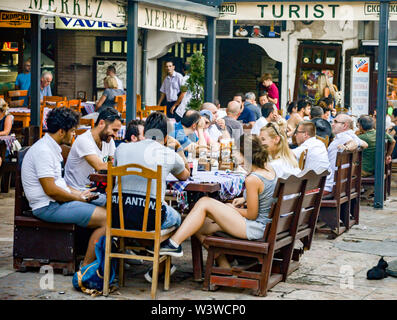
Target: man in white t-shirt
column 217, row 129
column 317, row 155
column 49, row 196
column 111, row 71
column 269, row 114
column 91, row 151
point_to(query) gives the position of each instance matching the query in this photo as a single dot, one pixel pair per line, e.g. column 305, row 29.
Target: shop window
column 313, row 60
column 111, row 46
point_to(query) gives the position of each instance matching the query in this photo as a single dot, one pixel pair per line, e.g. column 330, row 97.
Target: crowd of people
column 58, row 194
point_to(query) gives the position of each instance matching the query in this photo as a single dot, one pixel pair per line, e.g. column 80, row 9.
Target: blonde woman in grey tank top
column 209, row 215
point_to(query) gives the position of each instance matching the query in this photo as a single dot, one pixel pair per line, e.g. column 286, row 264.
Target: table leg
column 197, row 257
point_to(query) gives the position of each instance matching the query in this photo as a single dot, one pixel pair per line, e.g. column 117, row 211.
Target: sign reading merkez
column 98, row 10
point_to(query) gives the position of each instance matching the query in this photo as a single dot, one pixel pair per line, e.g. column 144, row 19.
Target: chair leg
column 155, row 274
column 167, row 275
column 107, row 266
column 197, row 258
column 265, row 275
column 208, row 268
column 121, row 264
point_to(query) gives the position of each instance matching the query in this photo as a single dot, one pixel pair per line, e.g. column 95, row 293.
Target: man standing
column 317, row 155
column 91, row 151
column 45, row 85
column 111, row 71
column 271, row 89
column 269, row 114
column 50, row 198
column 171, row 88
column 23, row 80
column 233, row 126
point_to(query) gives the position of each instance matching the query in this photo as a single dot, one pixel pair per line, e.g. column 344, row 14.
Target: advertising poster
column 359, row 96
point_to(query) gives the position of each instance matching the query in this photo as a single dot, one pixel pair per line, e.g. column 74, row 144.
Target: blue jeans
column 173, row 218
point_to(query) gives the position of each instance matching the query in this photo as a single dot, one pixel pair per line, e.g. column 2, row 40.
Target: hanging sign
column 97, row 10
column 167, row 19
column 359, row 93
column 84, row 24
column 10, row 19
column 318, row 10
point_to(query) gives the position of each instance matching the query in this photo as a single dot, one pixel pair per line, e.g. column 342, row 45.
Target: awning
column 103, row 10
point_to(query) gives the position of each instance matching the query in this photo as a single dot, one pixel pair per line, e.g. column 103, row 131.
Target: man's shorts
column 75, row 212
column 173, row 218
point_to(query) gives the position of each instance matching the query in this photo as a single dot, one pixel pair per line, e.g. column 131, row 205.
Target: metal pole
column 132, row 40
column 144, row 64
column 36, row 70
column 381, row 104
column 209, row 94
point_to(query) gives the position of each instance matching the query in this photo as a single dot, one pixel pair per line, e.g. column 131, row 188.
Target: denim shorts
column 173, row 218
column 76, row 212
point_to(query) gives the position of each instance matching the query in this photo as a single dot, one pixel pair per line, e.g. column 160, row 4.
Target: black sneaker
column 167, row 249
column 148, row 275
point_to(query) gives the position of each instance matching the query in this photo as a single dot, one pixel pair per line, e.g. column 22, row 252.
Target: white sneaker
column 148, row 275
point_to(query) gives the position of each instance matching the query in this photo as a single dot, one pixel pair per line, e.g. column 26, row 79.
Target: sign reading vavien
column 167, row 19
column 320, row 10
column 97, row 10
column 359, row 93
column 85, row 24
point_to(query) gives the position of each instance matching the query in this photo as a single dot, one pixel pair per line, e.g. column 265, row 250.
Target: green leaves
column 195, row 83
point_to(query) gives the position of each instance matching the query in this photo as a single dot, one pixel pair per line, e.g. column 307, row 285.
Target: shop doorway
column 241, row 66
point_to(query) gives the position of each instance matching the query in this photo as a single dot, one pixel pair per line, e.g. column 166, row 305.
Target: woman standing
column 209, row 215
column 283, row 160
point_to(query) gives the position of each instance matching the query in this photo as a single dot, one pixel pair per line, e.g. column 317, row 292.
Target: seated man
column 246, row 115
column 303, row 110
column 368, row 134
column 317, row 155
column 134, row 131
column 343, row 140
column 250, row 103
column 50, row 198
column 45, row 85
column 269, row 114
column 323, row 127
column 91, row 151
column 234, row 127
column 149, row 153
column 184, row 131
column 217, row 129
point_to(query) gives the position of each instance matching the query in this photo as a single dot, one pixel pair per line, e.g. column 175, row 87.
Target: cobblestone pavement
column 323, row 273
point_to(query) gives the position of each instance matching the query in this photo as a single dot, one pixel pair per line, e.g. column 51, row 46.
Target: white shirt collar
column 53, row 144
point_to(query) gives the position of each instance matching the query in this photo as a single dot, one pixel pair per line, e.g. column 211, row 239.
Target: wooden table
column 195, row 191
column 24, row 117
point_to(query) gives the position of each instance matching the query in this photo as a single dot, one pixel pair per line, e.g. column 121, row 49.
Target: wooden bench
column 274, row 251
column 37, row 242
column 340, row 210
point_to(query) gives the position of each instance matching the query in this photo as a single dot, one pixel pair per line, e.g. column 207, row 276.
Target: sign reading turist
column 167, row 19
column 319, row 10
column 359, row 93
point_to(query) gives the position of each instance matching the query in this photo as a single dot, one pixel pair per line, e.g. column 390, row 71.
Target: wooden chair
column 37, row 242
column 75, row 104
column 148, row 109
column 157, row 236
column 309, row 214
column 12, row 98
column 7, row 169
column 54, row 99
column 336, row 207
column 279, row 236
column 302, row 159
column 324, row 140
column 63, row 103
column 121, row 105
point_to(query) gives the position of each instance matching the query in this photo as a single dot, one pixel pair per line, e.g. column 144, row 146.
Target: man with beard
column 91, row 150
column 49, row 196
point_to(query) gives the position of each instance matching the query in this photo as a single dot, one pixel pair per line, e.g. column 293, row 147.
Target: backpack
column 89, row 279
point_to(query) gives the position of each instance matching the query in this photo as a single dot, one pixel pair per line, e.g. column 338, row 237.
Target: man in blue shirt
column 246, row 115
column 23, row 80
column 45, row 84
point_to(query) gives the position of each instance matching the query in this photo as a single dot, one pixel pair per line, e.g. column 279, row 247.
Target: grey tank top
column 265, row 198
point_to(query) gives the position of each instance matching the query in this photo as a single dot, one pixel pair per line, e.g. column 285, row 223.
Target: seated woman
column 111, row 91
column 283, row 160
column 5, row 119
column 209, row 215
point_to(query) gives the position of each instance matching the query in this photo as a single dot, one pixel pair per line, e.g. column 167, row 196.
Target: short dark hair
column 132, row 129
column 267, row 109
column 109, row 114
column 241, row 95
column 328, row 100
column 366, row 122
column 303, row 103
column 170, row 60
column 291, row 106
column 316, row 112
column 112, row 68
column 156, row 121
column 62, row 118
column 190, row 117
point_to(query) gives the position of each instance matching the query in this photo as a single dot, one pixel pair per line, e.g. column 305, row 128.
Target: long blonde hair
column 283, row 150
column 3, row 106
column 324, row 82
